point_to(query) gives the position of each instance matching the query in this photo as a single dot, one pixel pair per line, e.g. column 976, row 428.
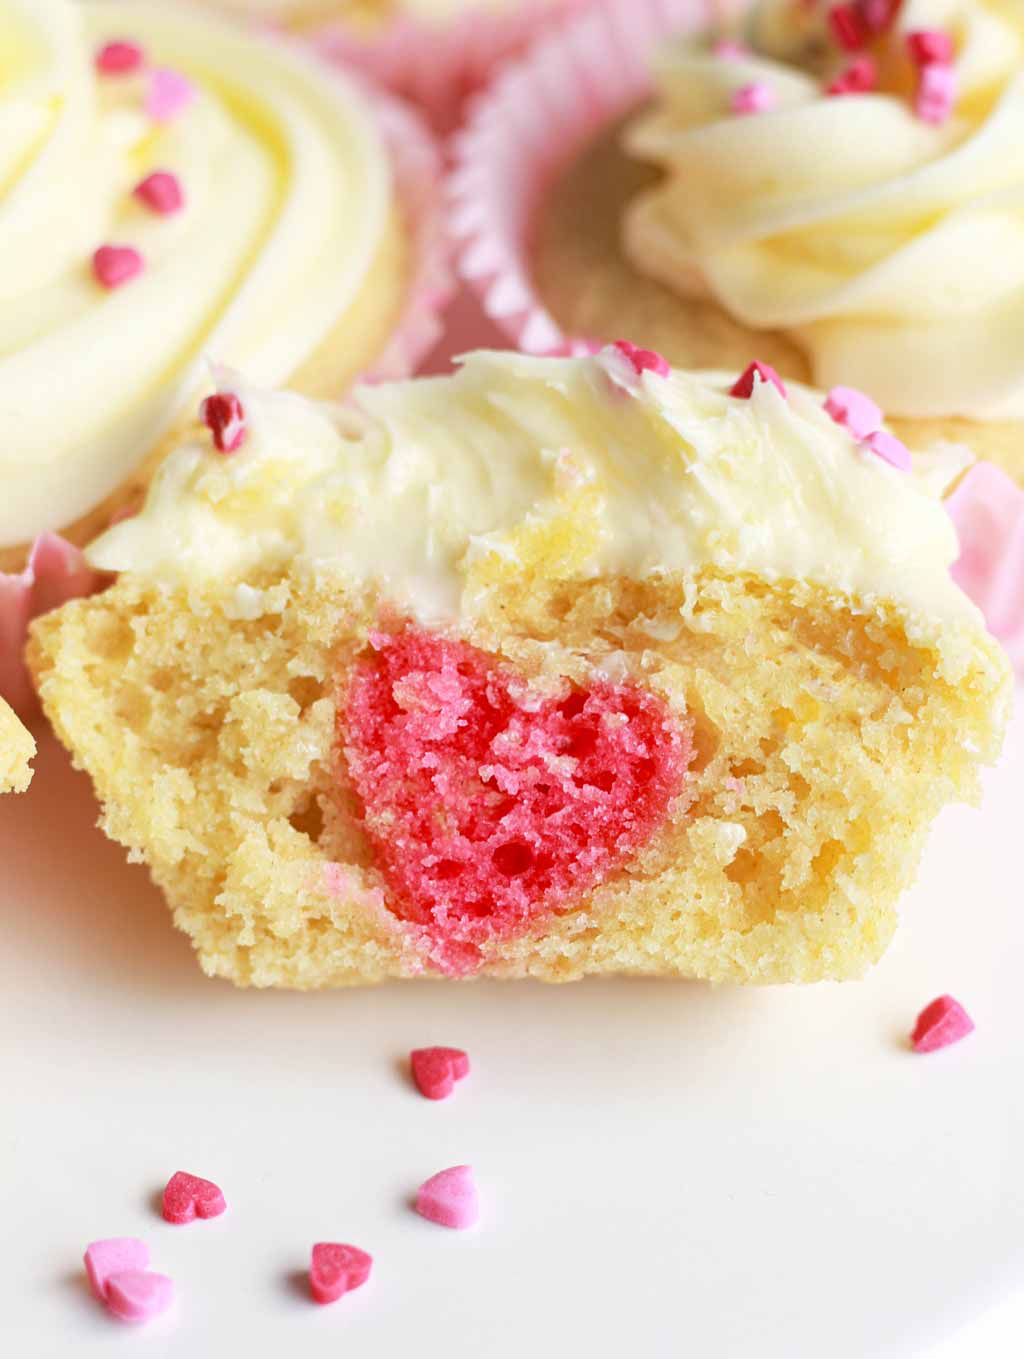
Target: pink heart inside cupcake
column 485, row 807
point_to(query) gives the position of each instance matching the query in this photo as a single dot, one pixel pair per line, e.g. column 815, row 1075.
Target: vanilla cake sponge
column 16, row 750
column 553, row 667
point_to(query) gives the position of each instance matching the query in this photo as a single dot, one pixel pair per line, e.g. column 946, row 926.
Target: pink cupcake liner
column 988, row 511
column 539, row 113
column 417, row 163
column 439, row 68
column 56, row 570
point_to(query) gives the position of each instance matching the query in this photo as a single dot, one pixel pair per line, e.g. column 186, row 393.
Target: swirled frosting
column 889, row 248
column 288, row 204
column 437, row 489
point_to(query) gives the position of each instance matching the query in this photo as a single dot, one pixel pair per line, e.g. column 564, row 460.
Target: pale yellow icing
column 288, row 197
column 435, row 489
column 892, row 250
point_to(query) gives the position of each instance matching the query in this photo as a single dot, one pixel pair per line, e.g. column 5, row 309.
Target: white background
column 666, row 1169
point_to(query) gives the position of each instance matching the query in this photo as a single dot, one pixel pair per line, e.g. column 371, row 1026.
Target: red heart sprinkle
column 336, row 1269
column 114, row 265
column 188, row 1196
column 487, row 808
column 161, row 192
column 120, row 58
column 743, row 387
column 643, row 360
column 435, row 1070
column 939, row 1024
column 224, row 416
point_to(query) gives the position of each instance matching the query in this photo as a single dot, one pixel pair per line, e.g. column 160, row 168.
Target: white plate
column 666, row 1169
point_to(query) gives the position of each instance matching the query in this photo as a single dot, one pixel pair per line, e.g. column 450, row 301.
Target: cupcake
column 435, row 53
column 555, row 666
column 178, row 189
column 16, row 750
column 836, row 189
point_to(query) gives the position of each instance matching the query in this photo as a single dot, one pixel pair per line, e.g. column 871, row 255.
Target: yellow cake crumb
column 828, row 734
column 16, row 750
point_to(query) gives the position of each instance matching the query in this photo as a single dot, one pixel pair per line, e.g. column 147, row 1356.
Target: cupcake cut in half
column 550, row 667
column 837, row 188
column 177, row 187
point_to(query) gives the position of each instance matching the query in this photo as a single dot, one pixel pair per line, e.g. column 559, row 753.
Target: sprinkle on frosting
column 936, row 94
column 120, row 58
column 859, row 77
column 161, row 192
column 756, row 372
column 224, row 416
column 890, row 449
column 757, row 97
column 643, row 360
column 168, row 96
column 115, row 265
column 847, row 25
column 930, row 47
column 853, row 410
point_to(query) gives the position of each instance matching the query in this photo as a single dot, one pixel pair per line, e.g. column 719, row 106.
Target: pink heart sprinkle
column 336, row 1269
column 169, row 94
column 161, row 192
column 848, row 27
column 643, row 360
column 853, row 410
column 930, row 46
column 761, row 373
column 449, row 1198
column 113, row 1256
column 894, row 451
column 120, row 58
column 939, row 1024
column 189, row 1196
column 224, row 416
column 757, row 97
column 860, row 77
column 936, row 94
column 115, row 265
column 137, row 1295
column 435, row 1070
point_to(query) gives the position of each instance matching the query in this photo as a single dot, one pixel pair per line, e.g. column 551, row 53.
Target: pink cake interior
column 485, row 808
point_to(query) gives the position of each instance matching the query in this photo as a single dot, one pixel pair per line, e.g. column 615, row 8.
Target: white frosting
column 892, row 250
column 288, row 198
column 570, row 468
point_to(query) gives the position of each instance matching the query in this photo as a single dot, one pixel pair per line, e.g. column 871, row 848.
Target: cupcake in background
column 436, row 53
column 834, row 190
column 838, row 191
column 179, row 188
